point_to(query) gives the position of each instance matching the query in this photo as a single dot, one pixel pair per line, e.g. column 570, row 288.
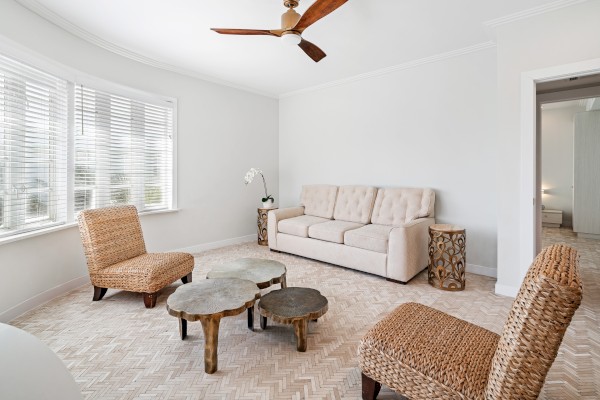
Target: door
column 586, row 192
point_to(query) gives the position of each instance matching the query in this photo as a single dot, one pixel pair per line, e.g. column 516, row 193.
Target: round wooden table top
column 212, row 297
column 260, row 271
column 449, row 228
column 293, row 303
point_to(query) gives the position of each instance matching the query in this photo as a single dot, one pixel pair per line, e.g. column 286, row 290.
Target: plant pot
column 268, row 204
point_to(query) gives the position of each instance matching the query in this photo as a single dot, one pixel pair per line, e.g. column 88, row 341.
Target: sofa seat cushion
column 298, row 226
column 332, row 231
column 370, row 237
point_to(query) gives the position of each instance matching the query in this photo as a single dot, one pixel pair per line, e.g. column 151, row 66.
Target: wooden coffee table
column 260, row 271
column 294, row 305
column 208, row 301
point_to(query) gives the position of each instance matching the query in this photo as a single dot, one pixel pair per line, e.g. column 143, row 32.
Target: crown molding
column 394, row 68
column 52, row 17
column 531, row 12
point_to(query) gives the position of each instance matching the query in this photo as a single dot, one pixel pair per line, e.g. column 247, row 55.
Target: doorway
column 567, row 146
column 530, row 192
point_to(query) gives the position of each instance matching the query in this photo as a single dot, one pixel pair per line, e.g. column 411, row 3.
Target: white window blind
column 123, row 151
column 33, row 148
column 66, row 147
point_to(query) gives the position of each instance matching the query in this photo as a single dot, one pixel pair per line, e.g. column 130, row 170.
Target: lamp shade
column 291, row 38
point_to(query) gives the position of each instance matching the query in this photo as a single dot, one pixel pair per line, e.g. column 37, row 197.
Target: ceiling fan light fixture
column 291, row 38
column 293, row 24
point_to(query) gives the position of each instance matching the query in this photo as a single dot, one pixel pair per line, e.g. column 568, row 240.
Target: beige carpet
column 116, row 349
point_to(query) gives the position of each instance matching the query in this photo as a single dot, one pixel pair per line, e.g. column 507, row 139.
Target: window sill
column 39, row 232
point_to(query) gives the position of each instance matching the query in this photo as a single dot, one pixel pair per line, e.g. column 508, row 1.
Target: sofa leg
column 370, row 388
column 150, row 299
column 187, row 278
column 395, row 281
column 99, row 293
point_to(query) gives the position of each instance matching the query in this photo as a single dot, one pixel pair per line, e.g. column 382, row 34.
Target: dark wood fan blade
column 312, row 50
column 247, row 31
column 318, row 10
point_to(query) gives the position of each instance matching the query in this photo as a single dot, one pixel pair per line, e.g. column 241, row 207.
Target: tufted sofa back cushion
column 318, row 200
column 402, row 205
column 354, row 203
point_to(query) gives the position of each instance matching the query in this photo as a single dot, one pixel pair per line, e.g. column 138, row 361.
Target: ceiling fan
column 293, row 24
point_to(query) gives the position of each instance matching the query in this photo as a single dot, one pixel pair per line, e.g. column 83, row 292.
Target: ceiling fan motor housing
column 289, row 19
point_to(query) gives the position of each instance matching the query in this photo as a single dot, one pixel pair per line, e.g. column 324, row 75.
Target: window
column 123, row 152
column 33, row 138
column 66, row 147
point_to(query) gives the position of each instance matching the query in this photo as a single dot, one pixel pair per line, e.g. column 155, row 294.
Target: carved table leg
column 301, row 331
column 210, row 327
column 263, row 322
column 182, row 328
column 251, row 318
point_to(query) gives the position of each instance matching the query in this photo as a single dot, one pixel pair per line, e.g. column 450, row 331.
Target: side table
column 295, row 306
column 447, row 259
column 261, row 222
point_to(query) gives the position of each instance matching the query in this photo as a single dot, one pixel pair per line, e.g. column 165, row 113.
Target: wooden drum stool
column 447, row 258
column 261, row 223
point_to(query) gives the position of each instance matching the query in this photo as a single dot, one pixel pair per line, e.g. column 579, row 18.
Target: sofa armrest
column 408, row 249
column 273, row 219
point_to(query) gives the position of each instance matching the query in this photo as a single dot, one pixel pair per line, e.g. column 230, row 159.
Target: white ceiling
column 359, row 37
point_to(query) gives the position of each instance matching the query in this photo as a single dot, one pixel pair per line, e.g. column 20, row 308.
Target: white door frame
column 528, row 197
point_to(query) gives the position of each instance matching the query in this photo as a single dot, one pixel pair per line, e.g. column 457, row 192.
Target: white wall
column 556, row 38
column 557, row 160
column 429, row 126
column 222, row 132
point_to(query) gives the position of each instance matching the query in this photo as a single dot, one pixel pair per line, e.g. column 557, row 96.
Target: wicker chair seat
column 146, row 273
column 416, row 351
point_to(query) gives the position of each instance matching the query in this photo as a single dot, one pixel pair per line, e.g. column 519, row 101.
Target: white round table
column 30, row 370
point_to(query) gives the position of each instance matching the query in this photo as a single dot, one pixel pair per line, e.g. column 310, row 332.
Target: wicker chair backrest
column 110, row 235
column 540, row 315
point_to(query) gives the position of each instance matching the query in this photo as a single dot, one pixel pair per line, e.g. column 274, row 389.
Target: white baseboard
column 505, row 290
column 42, row 298
column 221, row 243
column 481, row 270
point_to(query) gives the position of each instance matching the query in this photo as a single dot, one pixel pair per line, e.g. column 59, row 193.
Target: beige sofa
column 379, row 231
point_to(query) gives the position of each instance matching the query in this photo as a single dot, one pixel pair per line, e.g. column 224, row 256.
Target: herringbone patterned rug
column 117, row 349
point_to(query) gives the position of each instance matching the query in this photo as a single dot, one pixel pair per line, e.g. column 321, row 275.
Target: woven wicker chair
column 423, row 353
column 116, row 255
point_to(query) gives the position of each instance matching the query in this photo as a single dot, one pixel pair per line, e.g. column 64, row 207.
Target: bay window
column 66, row 147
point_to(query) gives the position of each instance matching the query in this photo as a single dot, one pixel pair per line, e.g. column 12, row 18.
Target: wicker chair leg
column 187, row 278
column 150, row 299
column 99, row 293
column 370, row 388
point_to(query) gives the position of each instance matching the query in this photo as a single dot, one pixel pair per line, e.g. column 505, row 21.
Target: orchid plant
column 250, row 176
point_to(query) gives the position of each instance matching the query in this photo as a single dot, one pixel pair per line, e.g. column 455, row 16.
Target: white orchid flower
column 249, row 177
